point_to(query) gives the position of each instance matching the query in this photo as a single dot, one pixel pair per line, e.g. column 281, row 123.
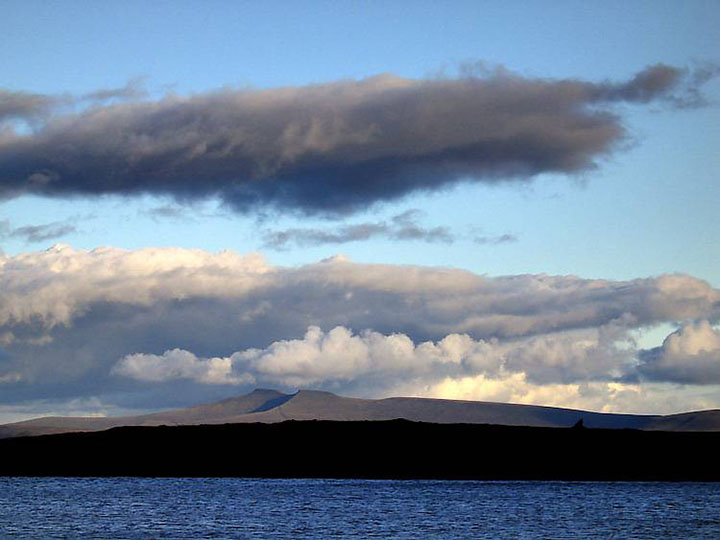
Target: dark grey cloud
column 333, row 148
column 33, row 108
column 133, row 89
column 168, row 211
column 38, row 233
column 25, row 106
column 500, row 239
column 404, row 226
column 183, row 212
column 645, row 86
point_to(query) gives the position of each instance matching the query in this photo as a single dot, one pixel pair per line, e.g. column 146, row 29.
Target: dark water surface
column 257, row 508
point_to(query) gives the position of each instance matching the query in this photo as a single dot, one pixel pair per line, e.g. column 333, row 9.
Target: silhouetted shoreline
column 383, row 449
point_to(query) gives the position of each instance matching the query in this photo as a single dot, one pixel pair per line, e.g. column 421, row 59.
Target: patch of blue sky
column 82, row 45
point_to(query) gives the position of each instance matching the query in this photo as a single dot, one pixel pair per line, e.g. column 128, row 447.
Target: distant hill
column 271, row 406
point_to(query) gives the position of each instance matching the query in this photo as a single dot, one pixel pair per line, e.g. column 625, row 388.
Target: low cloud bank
column 190, row 321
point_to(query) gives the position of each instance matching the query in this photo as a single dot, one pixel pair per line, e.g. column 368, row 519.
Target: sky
column 505, row 201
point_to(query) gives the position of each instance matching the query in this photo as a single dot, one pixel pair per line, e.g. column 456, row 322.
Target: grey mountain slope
column 270, row 406
column 692, row 421
column 219, row 412
column 314, row 405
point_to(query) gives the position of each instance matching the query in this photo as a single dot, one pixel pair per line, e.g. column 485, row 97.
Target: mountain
column 271, row 406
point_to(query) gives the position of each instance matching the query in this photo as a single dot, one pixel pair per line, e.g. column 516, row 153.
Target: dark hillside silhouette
column 381, row 449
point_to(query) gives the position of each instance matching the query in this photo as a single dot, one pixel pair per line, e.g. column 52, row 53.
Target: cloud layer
column 178, row 323
column 330, row 148
column 60, row 285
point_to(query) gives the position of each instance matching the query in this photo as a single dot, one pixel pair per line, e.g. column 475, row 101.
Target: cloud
column 182, row 212
column 456, row 367
column 332, row 148
column 317, row 358
column 68, row 315
column 648, row 398
column 647, row 85
column 32, row 107
column 91, row 406
column 26, row 106
column 321, row 359
column 10, row 378
column 501, row 239
column 168, row 211
column 37, row 233
column 691, row 355
column 403, row 226
column 59, row 285
column 133, row 89
column 178, row 364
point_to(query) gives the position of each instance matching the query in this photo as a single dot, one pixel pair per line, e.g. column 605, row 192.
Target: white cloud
column 326, row 358
column 319, row 357
column 59, row 284
column 688, row 355
column 647, row 398
column 698, row 339
column 178, row 364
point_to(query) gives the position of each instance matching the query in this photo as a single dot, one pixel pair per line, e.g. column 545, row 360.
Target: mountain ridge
column 264, row 405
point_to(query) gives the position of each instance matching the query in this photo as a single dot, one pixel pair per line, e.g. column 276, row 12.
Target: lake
column 307, row 508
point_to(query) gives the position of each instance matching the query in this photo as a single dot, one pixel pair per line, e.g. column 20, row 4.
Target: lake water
column 256, row 508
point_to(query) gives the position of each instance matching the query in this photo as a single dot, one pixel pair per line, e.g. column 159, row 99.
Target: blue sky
column 648, row 208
